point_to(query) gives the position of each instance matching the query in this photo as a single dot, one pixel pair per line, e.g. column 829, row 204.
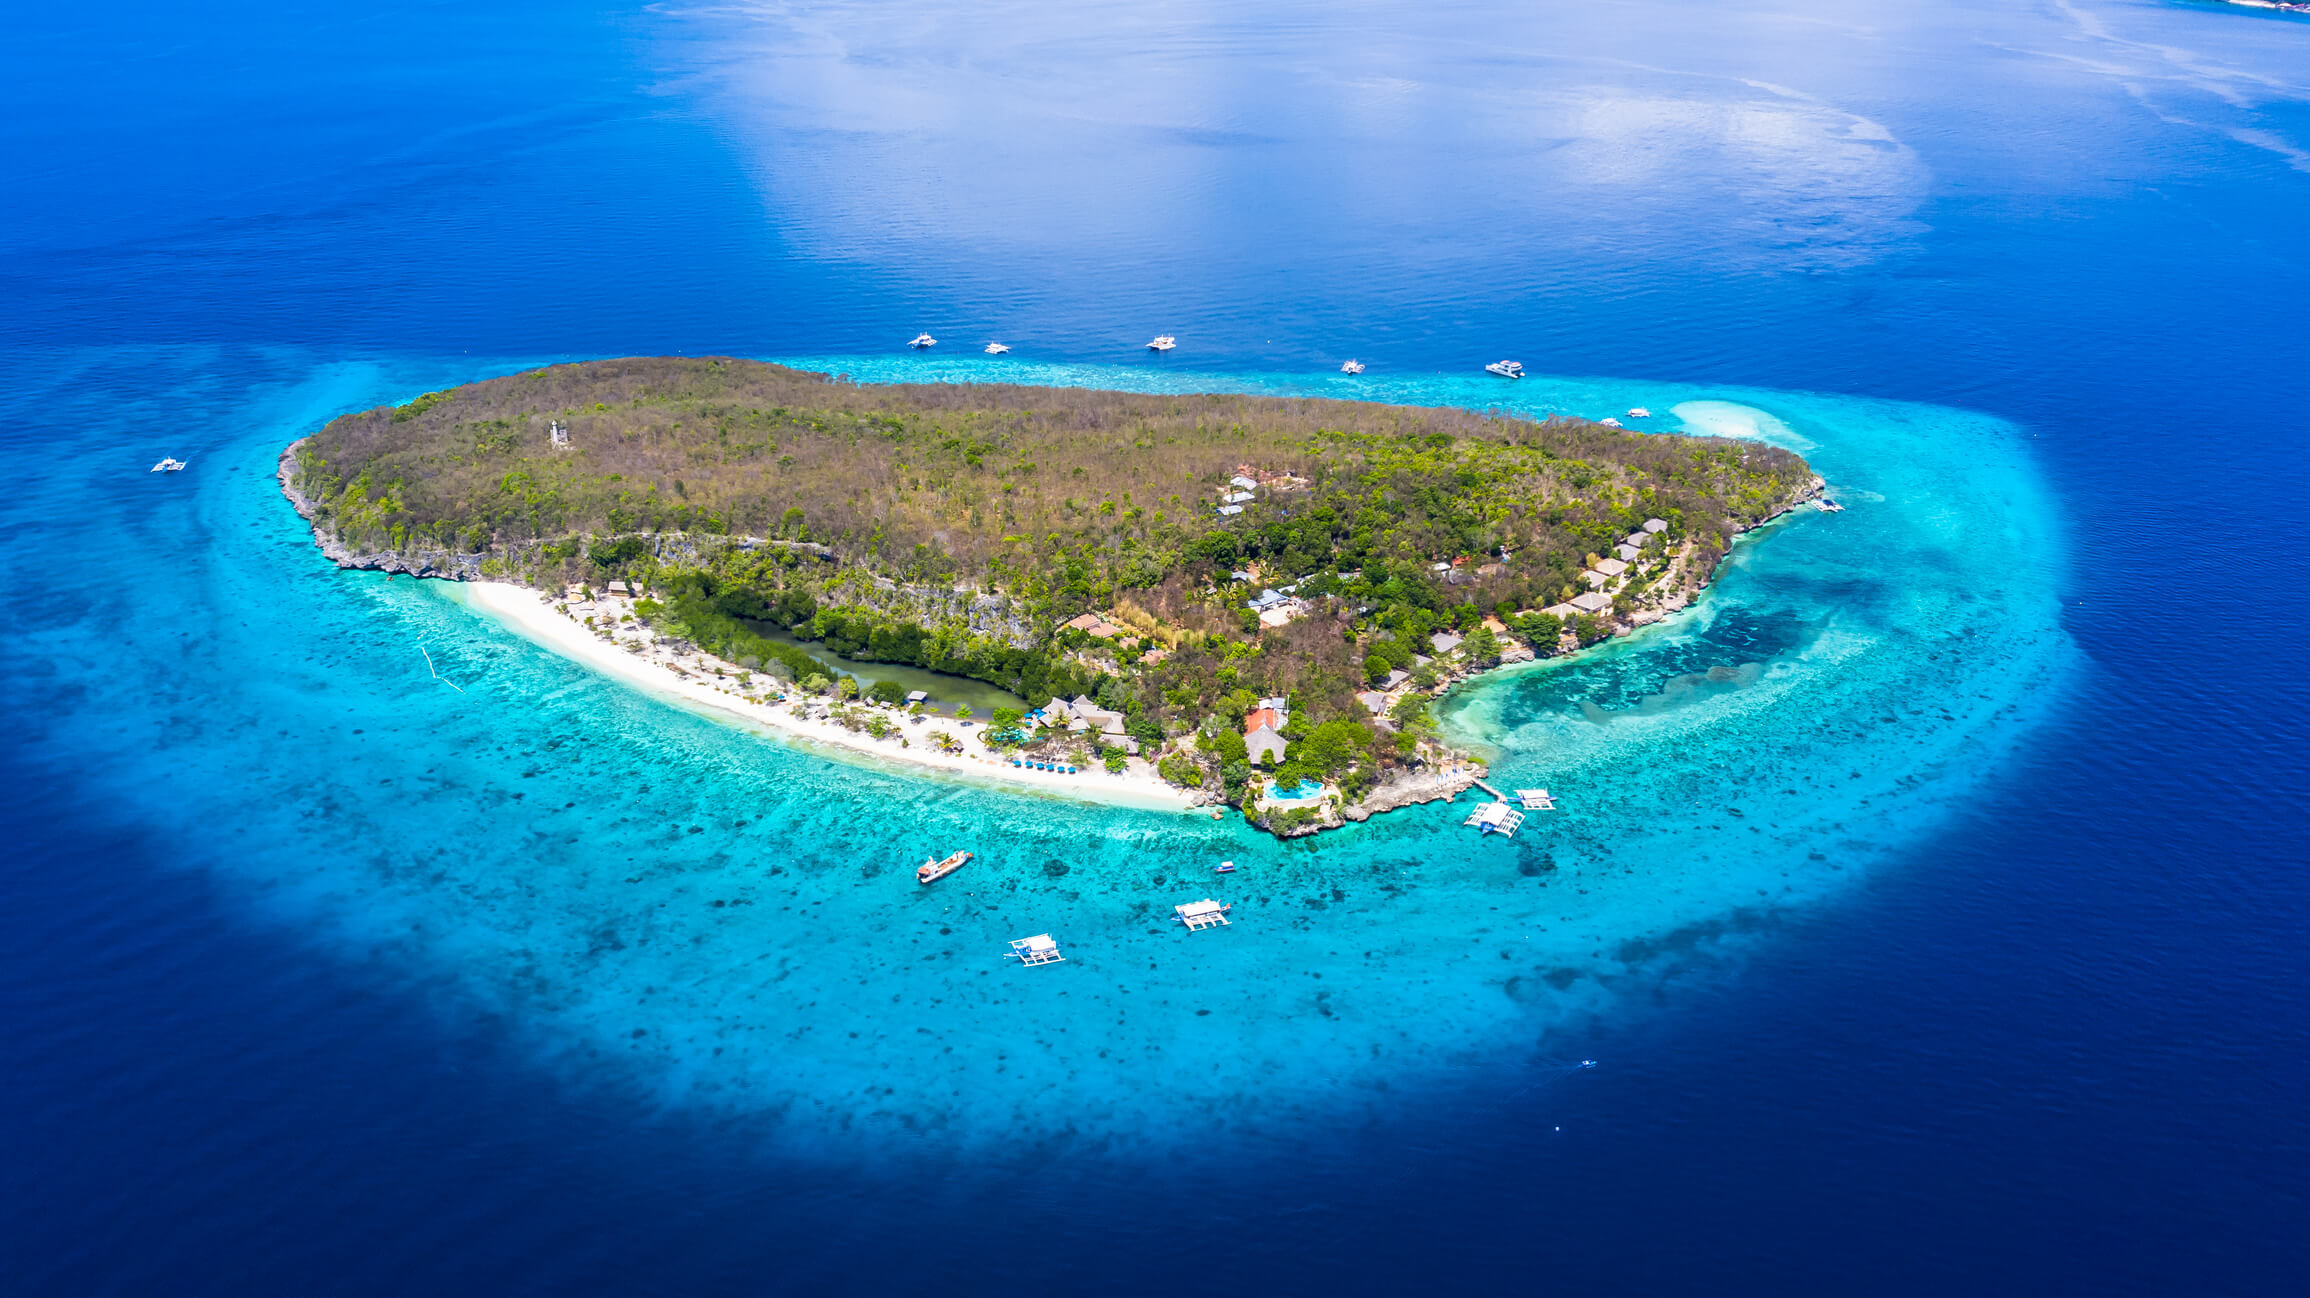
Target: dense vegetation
column 955, row 527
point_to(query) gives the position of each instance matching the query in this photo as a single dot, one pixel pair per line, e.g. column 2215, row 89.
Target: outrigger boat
column 1506, row 369
column 933, row 871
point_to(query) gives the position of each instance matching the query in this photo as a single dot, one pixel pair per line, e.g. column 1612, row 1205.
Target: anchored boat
column 997, row 349
column 933, row 871
column 1506, row 369
column 1162, row 343
column 920, row 341
column 1351, row 367
column 169, row 465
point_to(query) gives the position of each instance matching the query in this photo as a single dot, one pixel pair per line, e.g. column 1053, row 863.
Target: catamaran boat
column 1639, row 412
column 1506, row 369
column 933, row 871
column 921, row 341
column 170, row 465
column 997, row 349
column 1163, row 343
column 1351, row 367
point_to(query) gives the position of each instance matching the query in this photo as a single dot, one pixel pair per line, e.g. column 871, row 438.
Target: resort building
column 1264, row 745
column 1626, row 553
column 1240, row 481
column 1655, row 525
column 1374, row 702
column 1592, row 602
column 1445, row 642
column 1611, row 567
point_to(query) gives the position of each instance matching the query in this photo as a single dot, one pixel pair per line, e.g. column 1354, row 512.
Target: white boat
column 997, row 349
column 1162, row 343
column 1828, row 506
column 170, row 465
column 1506, row 369
column 921, row 341
column 1639, row 412
column 1351, row 367
column 1609, row 422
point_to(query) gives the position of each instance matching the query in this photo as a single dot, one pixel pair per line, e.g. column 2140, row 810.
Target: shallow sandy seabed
column 668, row 906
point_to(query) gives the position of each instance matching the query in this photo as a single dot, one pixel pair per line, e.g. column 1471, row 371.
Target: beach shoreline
column 534, row 616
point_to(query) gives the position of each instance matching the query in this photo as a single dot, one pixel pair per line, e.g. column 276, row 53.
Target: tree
column 1482, row 647
column 1182, row 770
column 889, row 692
column 878, row 725
column 1005, row 718
column 847, row 687
column 963, row 713
column 815, row 684
column 1115, row 759
column 1377, row 667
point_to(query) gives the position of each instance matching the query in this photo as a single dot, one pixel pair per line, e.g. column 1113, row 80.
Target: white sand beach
column 538, row 618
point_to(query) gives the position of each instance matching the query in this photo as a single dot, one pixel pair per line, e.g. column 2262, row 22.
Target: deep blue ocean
column 1932, row 896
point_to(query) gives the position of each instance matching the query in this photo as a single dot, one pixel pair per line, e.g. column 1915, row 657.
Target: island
column 1240, row 600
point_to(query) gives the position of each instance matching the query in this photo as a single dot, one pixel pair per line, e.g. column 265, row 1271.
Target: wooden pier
column 1039, row 949
column 1202, row 914
column 1489, row 789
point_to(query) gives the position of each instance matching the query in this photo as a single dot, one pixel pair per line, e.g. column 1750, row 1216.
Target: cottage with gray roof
column 1264, row 745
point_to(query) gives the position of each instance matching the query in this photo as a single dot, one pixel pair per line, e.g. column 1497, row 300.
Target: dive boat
column 1224, row 867
column 920, row 341
column 1352, row 367
column 933, row 871
column 997, row 349
column 1639, row 412
column 1162, row 343
column 1506, row 369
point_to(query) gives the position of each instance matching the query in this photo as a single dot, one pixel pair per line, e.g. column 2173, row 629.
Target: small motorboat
column 1506, row 369
column 1224, row 867
column 1351, row 367
column 998, row 349
column 933, row 871
column 1162, row 343
column 1609, row 422
column 170, row 465
column 920, row 341
column 1828, row 506
column 1639, row 412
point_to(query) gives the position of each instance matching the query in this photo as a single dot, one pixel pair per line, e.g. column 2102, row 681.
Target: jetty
column 1039, row 949
column 933, row 871
column 1496, row 818
column 1489, row 789
column 1202, row 914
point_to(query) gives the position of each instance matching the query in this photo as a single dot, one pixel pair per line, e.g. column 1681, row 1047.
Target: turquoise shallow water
column 712, row 919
